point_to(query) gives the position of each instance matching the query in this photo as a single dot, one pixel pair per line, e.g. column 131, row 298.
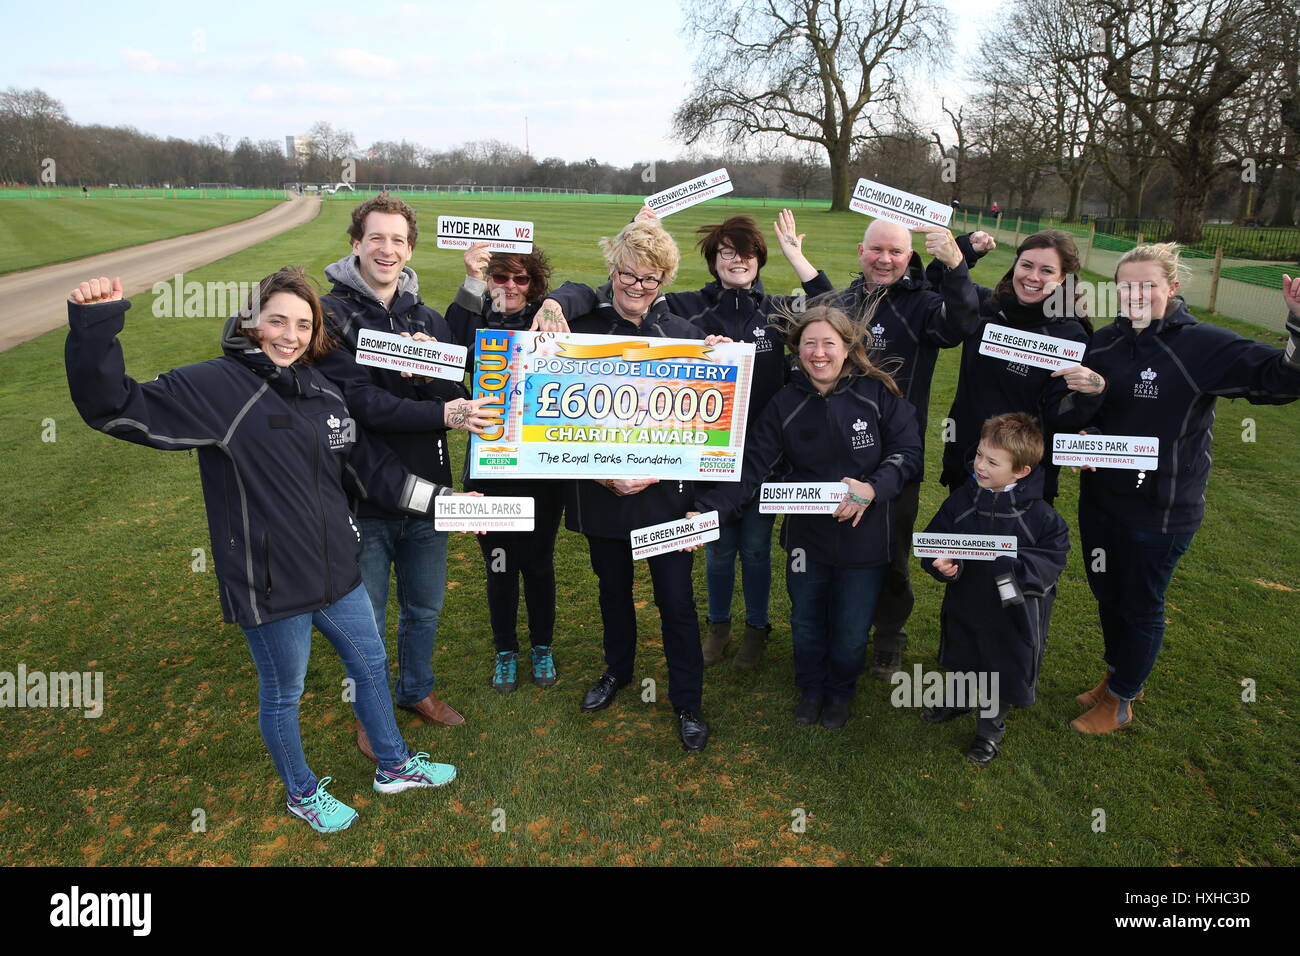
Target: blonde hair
column 643, row 242
column 1163, row 254
column 855, row 335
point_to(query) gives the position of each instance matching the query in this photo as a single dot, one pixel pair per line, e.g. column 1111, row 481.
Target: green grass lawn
column 37, row 232
column 95, row 542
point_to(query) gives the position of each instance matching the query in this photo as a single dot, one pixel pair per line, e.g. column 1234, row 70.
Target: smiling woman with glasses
column 640, row 261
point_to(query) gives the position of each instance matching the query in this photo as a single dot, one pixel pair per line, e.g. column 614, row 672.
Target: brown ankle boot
column 751, row 647
column 716, row 643
column 363, row 743
column 1104, row 716
column 1089, row 698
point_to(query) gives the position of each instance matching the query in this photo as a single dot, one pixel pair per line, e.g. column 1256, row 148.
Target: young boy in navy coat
column 995, row 613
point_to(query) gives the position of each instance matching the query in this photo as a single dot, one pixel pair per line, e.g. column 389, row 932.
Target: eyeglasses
column 726, row 254
column 630, row 279
column 503, row 279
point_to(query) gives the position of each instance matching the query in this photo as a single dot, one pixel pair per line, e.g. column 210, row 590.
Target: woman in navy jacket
column 1157, row 372
column 840, row 419
column 276, row 450
column 1036, row 295
column 641, row 259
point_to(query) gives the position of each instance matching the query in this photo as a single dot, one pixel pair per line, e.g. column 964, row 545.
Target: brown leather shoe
column 435, row 711
column 363, row 743
column 1104, row 717
column 1090, row 698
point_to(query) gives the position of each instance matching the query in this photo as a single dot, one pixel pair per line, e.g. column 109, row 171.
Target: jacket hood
column 1002, row 503
column 345, row 272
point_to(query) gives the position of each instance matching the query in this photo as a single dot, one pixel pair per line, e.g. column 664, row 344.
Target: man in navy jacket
column 373, row 288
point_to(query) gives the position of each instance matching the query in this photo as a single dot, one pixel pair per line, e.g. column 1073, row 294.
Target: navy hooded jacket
column 1164, row 382
column 406, row 413
column 592, row 509
column 858, row 430
column 276, row 447
column 914, row 319
column 977, row 634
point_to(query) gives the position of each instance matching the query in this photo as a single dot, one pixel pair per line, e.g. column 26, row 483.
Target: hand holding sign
column 418, row 337
column 477, row 257
column 940, row 243
column 468, row 415
column 946, row 566
column 1081, row 379
column 646, row 215
column 856, row 502
column 549, row 318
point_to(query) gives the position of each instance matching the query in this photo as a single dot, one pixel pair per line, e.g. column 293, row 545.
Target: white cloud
column 262, row 93
column 363, row 63
column 142, row 61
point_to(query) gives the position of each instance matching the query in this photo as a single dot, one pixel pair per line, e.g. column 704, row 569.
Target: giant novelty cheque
column 600, row 406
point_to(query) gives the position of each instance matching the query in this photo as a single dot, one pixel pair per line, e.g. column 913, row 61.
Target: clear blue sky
column 592, row 81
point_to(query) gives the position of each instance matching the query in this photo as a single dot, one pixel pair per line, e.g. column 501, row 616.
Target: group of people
column 319, row 474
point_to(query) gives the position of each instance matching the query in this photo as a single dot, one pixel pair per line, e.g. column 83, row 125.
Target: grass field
column 37, row 232
column 95, row 543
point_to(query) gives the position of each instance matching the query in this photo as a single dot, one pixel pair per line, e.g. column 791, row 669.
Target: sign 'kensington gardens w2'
column 600, row 406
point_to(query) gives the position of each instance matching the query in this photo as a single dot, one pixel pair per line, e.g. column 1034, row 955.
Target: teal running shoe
column 419, row 771
column 503, row 674
column 543, row 666
column 323, row 812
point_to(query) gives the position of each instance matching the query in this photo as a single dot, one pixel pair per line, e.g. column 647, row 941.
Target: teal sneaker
column 503, row 674
column 419, row 771
column 323, row 812
column 543, row 666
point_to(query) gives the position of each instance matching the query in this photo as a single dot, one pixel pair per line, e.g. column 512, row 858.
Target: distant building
column 297, row 147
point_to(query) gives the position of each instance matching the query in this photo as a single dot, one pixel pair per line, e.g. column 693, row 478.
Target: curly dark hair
column 534, row 263
column 386, row 204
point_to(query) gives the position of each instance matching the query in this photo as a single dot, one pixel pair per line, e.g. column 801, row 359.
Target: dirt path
column 34, row 299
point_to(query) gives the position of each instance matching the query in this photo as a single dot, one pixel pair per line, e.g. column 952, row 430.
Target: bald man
column 910, row 318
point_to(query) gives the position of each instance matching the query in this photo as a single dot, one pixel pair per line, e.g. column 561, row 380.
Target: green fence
column 101, row 192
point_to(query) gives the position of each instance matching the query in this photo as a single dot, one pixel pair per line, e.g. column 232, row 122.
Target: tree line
column 1185, row 109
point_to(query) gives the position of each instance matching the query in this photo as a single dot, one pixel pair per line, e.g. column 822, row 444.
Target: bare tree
column 809, row 70
column 1175, row 65
column 30, row 124
column 957, row 152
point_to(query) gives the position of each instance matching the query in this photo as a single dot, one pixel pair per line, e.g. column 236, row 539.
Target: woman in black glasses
column 507, row 291
column 642, row 260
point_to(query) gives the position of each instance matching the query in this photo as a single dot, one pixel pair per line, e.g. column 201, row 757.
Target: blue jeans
column 830, row 615
column 751, row 536
column 1130, row 593
column 419, row 555
column 281, row 649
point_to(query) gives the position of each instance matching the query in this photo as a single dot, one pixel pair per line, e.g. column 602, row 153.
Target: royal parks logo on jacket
column 342, row 432
column 761, row 342
column 1145, row 386
column 862, row 437
column 878, row 337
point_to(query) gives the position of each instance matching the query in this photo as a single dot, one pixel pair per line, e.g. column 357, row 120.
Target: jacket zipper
column 320, row 508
